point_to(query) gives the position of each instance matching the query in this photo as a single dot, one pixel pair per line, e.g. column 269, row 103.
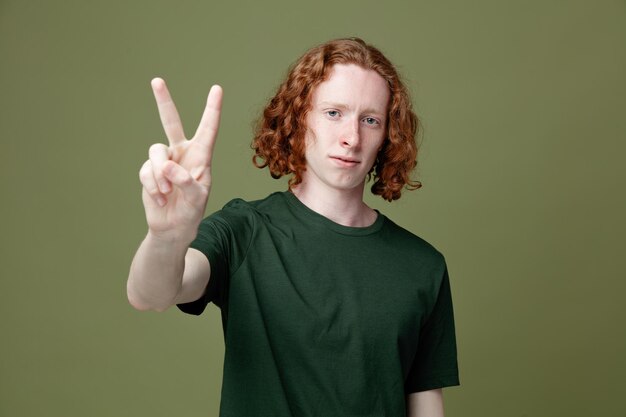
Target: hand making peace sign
column 176, row 179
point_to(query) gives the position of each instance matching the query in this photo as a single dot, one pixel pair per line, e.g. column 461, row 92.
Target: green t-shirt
column 321, row 319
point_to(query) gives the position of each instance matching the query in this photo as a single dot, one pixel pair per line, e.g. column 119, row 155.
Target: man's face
column 346, row 127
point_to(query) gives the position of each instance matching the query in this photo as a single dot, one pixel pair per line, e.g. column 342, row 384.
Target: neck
column 345, row 207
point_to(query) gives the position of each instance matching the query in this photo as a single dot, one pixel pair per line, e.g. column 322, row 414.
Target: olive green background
column 524, row 131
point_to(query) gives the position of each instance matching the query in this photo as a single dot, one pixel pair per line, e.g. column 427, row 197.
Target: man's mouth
column 345, row 160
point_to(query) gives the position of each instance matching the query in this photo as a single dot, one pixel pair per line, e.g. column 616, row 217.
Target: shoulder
column 239, row 212
column 239, row 207
column 265, row 204
column 410, row 244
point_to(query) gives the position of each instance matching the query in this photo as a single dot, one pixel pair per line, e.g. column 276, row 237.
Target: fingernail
column 165, row 187
column 161, row 201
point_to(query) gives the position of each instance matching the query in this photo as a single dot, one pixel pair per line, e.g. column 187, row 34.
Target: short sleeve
column 223, row 238
column 435, row 364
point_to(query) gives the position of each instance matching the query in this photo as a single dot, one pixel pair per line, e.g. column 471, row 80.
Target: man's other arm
column 425, row 404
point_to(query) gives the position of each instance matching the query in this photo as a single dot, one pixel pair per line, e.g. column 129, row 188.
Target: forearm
column 156, row 273
column 425, row 404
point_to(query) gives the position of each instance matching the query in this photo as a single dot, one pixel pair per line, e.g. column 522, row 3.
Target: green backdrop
column 523, row 137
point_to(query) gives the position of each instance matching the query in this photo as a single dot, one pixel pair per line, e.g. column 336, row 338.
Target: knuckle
column 155, row 147
column 158, row 150
column 153, row 192
column 150, row 187
column 145, row 171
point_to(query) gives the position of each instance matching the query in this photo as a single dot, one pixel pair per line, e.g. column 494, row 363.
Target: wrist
column 172, row 241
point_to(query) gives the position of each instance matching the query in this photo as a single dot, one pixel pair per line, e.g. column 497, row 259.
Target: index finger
column 210, row 122
column 167, row 111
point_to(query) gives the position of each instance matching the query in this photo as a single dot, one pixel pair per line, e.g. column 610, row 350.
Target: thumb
column 182, row 179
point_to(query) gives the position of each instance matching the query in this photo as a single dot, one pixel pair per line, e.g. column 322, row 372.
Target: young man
column 328, row 307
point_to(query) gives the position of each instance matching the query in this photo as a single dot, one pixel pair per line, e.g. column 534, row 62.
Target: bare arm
column 176, row 182
column 425, row 404
column 162, row 275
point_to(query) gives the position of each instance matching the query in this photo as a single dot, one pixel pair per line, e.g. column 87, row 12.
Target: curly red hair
column 279, row 137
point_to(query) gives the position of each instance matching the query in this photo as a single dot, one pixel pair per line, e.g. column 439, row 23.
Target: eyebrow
column 340, row 106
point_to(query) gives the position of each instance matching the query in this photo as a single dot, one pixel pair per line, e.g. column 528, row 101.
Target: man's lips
column 345, row 161
column 345, row 158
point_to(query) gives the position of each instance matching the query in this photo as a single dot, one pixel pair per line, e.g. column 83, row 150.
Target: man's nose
column 351, row 136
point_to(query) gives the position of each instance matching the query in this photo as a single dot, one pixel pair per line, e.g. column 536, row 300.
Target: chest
column 335, row 294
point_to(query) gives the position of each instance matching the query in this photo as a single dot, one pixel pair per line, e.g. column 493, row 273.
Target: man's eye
column 332, row 113
column 371, row 121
